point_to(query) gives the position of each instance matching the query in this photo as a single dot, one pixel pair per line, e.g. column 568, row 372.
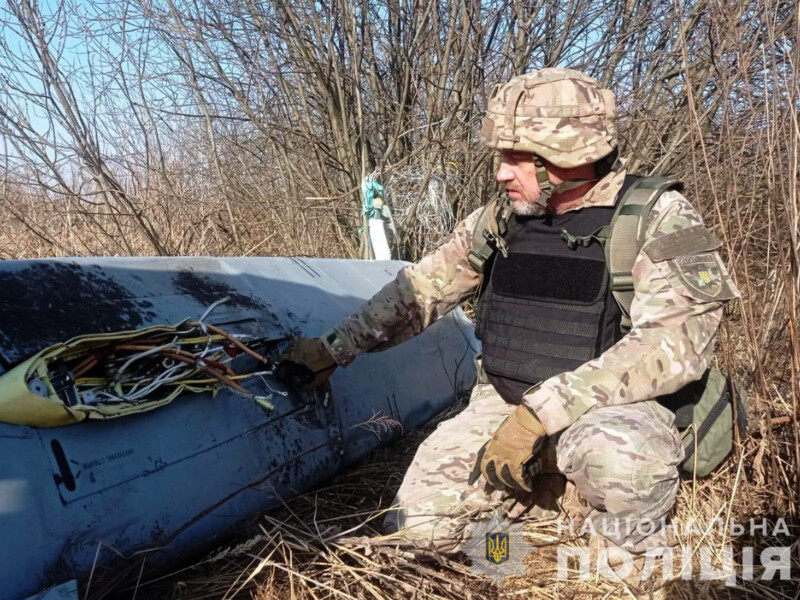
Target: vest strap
column 489, row 234
column 548, row 326
column 629, row 226
column 518, row 370
column 573, row 241
column 564, row 351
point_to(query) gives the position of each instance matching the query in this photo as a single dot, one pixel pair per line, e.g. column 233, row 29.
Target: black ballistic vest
column 546, row 309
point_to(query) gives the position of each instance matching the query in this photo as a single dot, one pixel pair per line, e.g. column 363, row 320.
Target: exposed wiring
column 269, row 387
column 196, row 356
column 212, row 307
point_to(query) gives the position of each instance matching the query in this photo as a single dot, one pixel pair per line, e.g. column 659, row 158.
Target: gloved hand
column 505, row 460
column 307, row 364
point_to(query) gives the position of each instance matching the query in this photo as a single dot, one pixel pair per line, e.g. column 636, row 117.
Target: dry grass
column 328, row 545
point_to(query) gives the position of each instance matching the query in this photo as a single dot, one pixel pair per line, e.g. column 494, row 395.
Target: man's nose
column 504, row 173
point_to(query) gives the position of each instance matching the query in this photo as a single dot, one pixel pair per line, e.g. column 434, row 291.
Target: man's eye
column 510, row 157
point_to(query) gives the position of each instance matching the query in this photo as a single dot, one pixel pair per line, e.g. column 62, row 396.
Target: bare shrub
column 246, row 128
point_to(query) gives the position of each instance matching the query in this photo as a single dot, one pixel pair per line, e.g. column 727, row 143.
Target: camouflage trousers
column 622, row 461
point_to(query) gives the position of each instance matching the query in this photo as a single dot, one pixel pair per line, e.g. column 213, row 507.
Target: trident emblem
column 497, row 547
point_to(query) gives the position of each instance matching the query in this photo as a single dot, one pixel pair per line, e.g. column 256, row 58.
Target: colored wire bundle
column 195, row 356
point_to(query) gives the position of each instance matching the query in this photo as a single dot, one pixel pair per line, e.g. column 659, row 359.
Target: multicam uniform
column 622, row 459
column 618, row 446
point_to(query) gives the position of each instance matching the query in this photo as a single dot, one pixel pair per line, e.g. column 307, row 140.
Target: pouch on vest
column 706, row 413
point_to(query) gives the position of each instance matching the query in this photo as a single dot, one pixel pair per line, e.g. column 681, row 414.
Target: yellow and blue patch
column 497, row 547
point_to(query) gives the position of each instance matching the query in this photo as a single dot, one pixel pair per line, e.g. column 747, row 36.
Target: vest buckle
column 498, row 242
column 573, row 241
column 569, row 239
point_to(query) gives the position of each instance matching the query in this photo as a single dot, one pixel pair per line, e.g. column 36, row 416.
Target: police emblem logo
column 702, row 275
column 497, row 547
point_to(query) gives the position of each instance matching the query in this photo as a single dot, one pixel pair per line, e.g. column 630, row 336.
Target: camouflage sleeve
column 680, row 284
column 419, row 295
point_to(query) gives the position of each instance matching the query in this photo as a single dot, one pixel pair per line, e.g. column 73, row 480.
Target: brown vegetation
column 246, row 128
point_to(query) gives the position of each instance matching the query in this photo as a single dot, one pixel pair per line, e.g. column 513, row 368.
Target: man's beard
column 527, row 209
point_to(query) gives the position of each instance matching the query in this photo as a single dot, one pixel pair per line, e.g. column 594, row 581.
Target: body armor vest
column 547, row 304
column 546, row 308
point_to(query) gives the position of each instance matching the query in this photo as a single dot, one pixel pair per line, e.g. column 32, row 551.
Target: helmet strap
column 570, row 184
column 543, row 177
column 546, row 187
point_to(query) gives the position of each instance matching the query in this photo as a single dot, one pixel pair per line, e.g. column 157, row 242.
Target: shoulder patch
column 681, row 243
column 703, row 276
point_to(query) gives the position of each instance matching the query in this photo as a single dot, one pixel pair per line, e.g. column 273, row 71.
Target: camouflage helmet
column 560, row 115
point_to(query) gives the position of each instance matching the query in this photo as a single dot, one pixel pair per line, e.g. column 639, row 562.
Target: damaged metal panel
column 174, row 481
